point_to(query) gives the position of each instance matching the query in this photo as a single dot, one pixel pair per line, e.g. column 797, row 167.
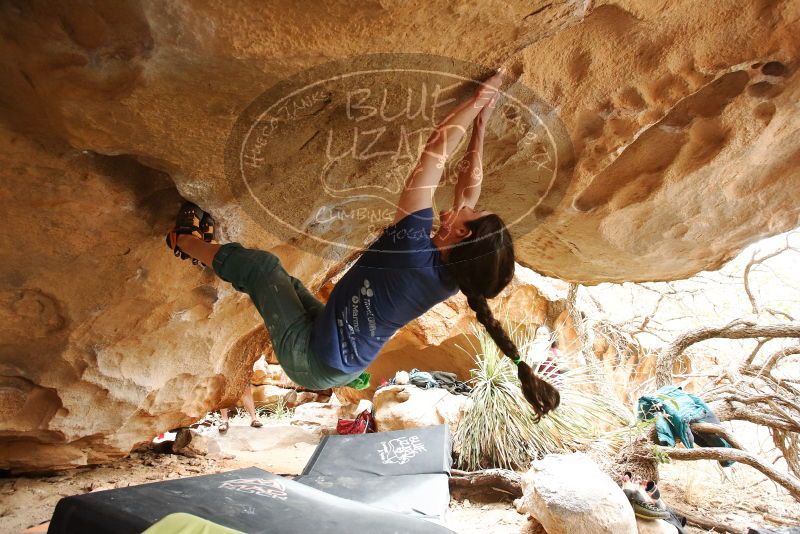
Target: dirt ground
column 737, row 496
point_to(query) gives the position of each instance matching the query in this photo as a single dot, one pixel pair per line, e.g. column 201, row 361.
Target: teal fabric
column 673, row 410
column 288, row 310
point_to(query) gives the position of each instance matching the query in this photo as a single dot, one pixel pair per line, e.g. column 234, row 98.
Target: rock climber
column 399, row 277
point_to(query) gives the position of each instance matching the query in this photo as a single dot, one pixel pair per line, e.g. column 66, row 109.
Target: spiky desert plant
column 499, row 429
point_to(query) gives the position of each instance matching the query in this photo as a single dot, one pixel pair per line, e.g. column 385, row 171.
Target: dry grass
column 500, row 429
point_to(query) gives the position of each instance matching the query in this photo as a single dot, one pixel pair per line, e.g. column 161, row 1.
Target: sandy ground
column 736, row 495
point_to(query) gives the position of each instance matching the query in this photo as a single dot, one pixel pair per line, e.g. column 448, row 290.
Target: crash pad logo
column 273, row 489
column 400, row 450
column 321, row 157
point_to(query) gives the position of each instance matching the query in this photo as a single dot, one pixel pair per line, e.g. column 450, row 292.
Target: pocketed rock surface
column 670, row 143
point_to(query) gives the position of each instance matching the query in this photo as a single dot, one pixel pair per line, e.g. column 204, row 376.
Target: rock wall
column 680, row 120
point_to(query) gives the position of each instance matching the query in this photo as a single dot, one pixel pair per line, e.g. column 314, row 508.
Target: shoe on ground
column 643, row 506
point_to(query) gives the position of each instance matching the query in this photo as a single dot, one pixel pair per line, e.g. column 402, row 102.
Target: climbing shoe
column 643, row 506
column 207, row 228
column 188, row 222
column 652, row 490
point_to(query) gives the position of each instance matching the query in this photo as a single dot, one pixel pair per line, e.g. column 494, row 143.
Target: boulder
column 663, row 143
column 322, row 417
column 277, row 447
column 568, row 494
column 406, row 406
column 270, row 374
column 197, row 446
column 658, row 526
column 273, row 395
column 304, row 397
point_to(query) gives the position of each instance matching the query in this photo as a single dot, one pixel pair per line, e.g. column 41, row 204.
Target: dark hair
column 482, row 265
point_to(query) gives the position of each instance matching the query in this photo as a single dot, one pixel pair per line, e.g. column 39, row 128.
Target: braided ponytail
column 482, row 265
column 542, row 396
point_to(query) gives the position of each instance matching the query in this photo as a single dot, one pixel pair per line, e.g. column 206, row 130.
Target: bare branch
column 579, row 324
column 755, row 262
column 778, row 313
column 734, row 330
column 757, row 348
column 710, row 428
column 773, row 359
column 501, row 480
column 746, row 281
column 789, row 482
column 704, row 522
column 788, row 443
column 727, row 411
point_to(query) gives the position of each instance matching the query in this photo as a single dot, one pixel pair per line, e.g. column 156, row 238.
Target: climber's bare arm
column 423, row 180
column 470, row 168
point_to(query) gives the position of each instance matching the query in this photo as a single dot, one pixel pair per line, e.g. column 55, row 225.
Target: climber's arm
column 470, row 169
column 423, row 180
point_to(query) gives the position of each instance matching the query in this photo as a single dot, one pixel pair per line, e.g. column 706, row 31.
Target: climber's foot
column 207, row 227
column 188, row 222
column 256, row 423
column 643, row 506
column 652, row 490
column 223, row 427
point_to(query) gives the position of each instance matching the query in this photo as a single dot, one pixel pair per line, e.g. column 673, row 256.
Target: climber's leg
column 288, row 310
column 197, row 248
column 311, row 303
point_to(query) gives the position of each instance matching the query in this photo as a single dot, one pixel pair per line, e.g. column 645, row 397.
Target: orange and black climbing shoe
column 191, row 220
column 207, row 228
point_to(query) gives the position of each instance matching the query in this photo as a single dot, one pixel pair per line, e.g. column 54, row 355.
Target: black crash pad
column 426, row 496
column 414, row 451
column 250, row 500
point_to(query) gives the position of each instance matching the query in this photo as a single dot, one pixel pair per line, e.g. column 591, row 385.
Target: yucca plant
column 499, row 429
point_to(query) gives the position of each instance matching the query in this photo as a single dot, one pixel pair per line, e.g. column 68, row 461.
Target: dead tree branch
column 726, row 411
column 501, row 480
column 789, row 482
column 579, row 324
column 710, row 428
column 706, row 523
column 789, row 445
column 773, row 358
column 734, row 330
column 755, row 262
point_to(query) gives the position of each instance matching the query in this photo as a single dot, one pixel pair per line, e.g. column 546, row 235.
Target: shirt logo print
column 366, row 290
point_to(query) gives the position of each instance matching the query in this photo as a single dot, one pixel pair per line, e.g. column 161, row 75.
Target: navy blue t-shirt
column 397, row 279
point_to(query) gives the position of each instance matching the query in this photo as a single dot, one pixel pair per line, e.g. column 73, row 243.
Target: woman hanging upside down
column 399, row 277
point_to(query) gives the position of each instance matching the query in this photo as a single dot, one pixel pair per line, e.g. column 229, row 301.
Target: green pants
column 288, row 310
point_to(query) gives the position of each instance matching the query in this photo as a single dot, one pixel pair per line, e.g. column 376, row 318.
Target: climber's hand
column 489, row 88
column 483, row 117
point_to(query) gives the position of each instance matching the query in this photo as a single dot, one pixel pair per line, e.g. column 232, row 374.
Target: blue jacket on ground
column 673, row 410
